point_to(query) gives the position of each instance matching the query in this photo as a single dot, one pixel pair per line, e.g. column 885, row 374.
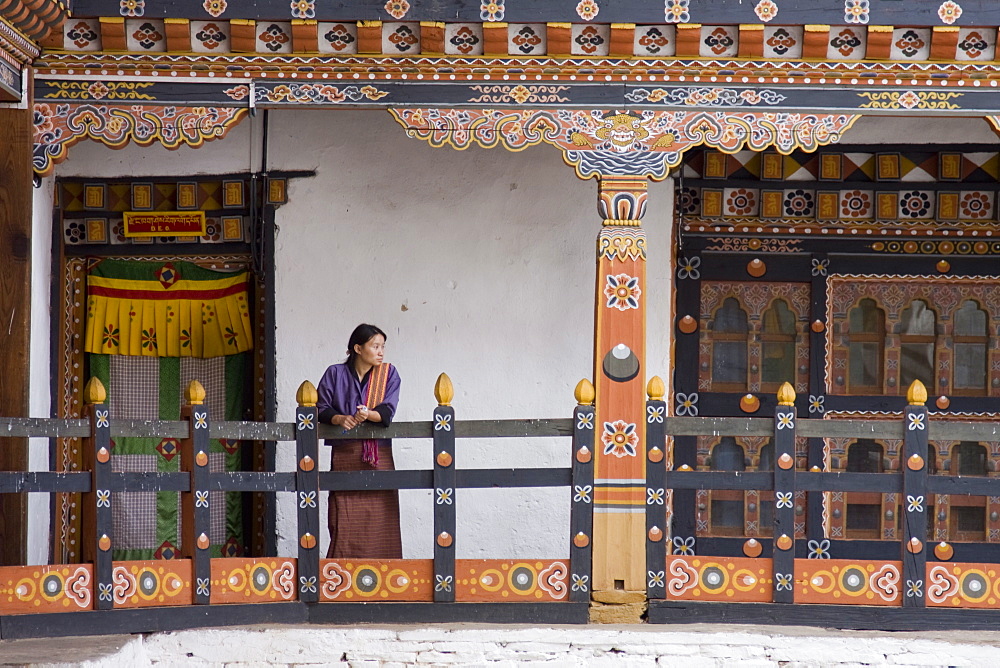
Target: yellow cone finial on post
column 194, row 395
column 444, row 391
column 585, row 393
column 655, row 389
column 786, row 394
column 917, row 394
column 306, row 396
column 94, row 393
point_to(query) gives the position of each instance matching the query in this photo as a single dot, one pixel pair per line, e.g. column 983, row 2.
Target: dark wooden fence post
column 97, row 521
column 656, row 509
column 307, row 488
column 196, row 521
column 783, row 552
column 444, row 492
column 581, row 515
column 914, row 466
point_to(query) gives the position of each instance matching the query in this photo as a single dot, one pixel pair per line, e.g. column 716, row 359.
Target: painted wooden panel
column 835, row 12
column 511, row 580
column 253, row 580
column 140, row 584
column 963, row 585
column 376, row 580
column 732, row 579
column 60, row 588
column 848, row 582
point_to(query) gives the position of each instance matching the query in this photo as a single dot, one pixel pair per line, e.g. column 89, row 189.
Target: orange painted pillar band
column 619, row 356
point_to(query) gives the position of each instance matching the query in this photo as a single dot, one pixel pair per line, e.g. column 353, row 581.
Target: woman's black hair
column 361, row 335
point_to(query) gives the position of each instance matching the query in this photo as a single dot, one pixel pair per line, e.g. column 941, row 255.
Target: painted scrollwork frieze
column 624, row 143
column 58, row 126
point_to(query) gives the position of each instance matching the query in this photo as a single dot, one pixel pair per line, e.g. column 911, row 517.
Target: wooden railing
column 195, row 589
column 690, row 578
column 708, row 578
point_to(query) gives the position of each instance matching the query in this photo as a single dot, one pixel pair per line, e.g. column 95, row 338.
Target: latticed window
column 778, row 346
column 970, row 340
column 866, row 349
column 917, row 329
column 967, row 517
column 729, row 348
column 727, row 506
column 864, row 510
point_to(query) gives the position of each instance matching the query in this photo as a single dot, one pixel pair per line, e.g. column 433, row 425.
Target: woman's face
column 371, row 353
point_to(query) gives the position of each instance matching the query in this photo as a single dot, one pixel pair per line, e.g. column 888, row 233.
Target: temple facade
column 771, row 192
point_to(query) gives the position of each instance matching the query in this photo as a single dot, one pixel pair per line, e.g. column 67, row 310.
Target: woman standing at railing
column 362, row 389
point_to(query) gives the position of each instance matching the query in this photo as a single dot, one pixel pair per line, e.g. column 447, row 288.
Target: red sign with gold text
column 164, row 223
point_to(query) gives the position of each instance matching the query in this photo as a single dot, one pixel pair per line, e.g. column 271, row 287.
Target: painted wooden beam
column 15, row 314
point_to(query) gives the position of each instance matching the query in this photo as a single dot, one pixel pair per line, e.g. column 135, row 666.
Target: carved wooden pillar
column 619, row 377
column 15, row 312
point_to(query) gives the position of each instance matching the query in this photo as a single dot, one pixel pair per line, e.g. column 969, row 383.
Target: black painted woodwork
column 98, row 530
column 914, row 508
column 445, row 499
column 784, row 505
column 195, row 502
column 307, row 501
column 581, row 513
column 656, row 505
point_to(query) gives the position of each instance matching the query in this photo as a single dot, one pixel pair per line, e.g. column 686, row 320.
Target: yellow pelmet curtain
column 154, row 318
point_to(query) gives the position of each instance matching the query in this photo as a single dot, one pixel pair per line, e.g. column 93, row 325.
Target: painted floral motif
column 914, row 204
column 132, row 7
column 949, row 12
column 741, row 202
column 303, row 9
column 397, row 8
column 976, row 205
column 215, row 7
column 819, row 549
column 781, row 42
column 855, row 204
column 845, row 42
column 491, row 11
column 688, row 200
column 526, row 39
column 688, row 268
column 799, row 203
column 464, row 40
column 653, row 40
column 910, row 43
column 620, row 438
column 622, row 292
column 149, row 339
column 81, row 34
column 589, row 40
column 147, row 36
column 676, row 11
column 719, row 41
column 856, row 11
column 766, row 10
column 111, row 336
column 403, row 38
column 97, row 90
column 339, row 37
column 587, row 9
column 687, row 404
column 273, row 37
column 210, row 36
column 973, row 45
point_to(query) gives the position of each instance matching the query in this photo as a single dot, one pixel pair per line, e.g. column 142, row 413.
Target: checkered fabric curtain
column 146, row 381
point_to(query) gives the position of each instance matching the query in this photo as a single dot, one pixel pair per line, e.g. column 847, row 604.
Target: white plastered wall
column 478, row 263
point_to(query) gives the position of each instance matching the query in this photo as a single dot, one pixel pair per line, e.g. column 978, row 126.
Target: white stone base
column 487, row 645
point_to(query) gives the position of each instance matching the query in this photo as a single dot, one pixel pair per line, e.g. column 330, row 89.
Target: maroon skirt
column 363, row 524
